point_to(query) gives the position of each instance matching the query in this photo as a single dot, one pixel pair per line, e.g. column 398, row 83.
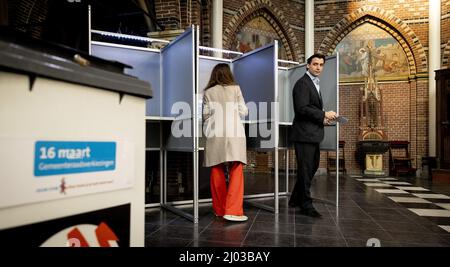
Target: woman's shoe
column 235, row 218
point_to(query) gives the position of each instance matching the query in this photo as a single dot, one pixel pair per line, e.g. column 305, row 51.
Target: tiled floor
column 432, row 209
column 396, row 213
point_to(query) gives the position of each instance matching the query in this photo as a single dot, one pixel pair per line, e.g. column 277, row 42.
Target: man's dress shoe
column 311, row 213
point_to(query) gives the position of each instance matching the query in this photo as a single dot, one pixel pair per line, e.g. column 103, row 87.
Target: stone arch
column 446, row 56
column 406, row 37
column 273, row 15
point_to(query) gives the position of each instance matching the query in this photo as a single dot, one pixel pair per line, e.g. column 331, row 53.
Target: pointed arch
column 399, row 30
column 273, row 15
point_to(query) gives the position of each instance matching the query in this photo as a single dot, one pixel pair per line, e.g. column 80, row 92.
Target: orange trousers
column 228, row 201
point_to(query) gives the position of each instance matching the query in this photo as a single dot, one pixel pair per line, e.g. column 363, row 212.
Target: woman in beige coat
column 223, row 107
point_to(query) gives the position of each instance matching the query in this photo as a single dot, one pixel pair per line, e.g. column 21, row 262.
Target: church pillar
column 309, row 28
column 217, row 23
column 434, row 55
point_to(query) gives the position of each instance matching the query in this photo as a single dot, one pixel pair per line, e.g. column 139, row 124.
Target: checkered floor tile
column 409, row 200
column 419, row 200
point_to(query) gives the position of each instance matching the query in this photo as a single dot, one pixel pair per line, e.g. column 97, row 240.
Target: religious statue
column 371, row 123
column 373, row 140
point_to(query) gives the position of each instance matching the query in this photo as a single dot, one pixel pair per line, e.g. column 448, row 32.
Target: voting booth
column 179, row 73
column 173, row 111
column 73, row 137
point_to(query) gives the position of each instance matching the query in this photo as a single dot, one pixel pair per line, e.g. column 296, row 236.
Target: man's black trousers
column 308, row 159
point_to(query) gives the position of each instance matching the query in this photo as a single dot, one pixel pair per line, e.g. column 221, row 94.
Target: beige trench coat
column 223, row 107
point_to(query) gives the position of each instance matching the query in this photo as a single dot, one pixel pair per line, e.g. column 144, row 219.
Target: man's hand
column 330, row 115
column 327, row 121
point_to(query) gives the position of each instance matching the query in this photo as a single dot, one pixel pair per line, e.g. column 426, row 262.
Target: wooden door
column 443, row 117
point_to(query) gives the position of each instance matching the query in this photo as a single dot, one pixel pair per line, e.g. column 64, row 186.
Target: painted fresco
column 256, row 33
column 368, row 43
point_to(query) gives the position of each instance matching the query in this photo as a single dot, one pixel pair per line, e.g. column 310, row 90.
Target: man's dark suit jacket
column 309, row 115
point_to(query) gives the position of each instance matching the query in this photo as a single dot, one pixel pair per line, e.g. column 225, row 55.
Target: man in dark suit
column 308, row 132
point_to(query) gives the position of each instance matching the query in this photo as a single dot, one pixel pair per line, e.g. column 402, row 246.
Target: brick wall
column 168, row 13
column 445, row 33
column 349, row 133
column 181, row 14
column 405, row 103
column 191, row 13
column 28, row 12
column 405, row 20
column 185, row 13
column 405, row 114
column 205, row 34
column 422, row 118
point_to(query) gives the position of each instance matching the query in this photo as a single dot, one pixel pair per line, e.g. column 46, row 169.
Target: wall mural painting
column 256, row 33
column 388, row 58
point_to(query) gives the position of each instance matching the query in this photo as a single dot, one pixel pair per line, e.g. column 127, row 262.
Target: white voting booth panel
column 178, row 64
column 174, row 71
column 180, row 83
column 256, row 73
column 72, row 156
column 329, row 83
column 179, row 88
column 145, row 65
column 283, row 96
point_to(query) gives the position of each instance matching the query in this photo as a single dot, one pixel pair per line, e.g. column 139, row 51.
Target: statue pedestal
column 372, row 152
column 374, row 165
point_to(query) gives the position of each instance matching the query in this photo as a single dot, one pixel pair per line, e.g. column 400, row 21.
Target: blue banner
column 62, row 157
